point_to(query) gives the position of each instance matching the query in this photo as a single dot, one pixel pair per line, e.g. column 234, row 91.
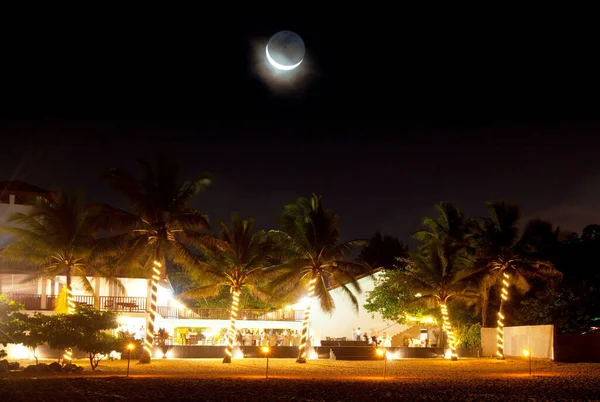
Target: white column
column 44, row 291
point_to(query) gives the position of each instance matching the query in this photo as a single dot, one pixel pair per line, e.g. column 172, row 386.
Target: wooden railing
column 224, row 314
column 113, row 303
column 138, row 304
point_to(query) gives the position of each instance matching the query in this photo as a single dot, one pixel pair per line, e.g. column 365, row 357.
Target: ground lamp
column 527, row 353
column 129, row 349
column 381, row 352
column 265, row 350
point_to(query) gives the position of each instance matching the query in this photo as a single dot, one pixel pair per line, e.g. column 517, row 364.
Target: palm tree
column 440, row 272
column 161, row 225
column 236, row 260
column 451, row 226
column 507, row 260
column 57, row 238
column 314, row 257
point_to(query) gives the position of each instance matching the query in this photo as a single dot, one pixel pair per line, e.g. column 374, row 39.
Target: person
column 286, row 338
column 265, row 339
column 365, row 337
column 357, row 334
column 295, row 339
column 273, row 338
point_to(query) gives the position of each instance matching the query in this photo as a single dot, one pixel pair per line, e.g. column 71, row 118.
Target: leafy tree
column 7, row 309
column 236, row 260
column 383, row 251
column 84, row 330
column 394, row 300
column 313, row 256
column 161, row 225
column 28, row 330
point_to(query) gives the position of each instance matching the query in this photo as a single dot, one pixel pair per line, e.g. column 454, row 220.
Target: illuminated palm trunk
column 235, row 303
column 304, row 334
column 448, row 329
column 503, row 298
column 70, row 309
column 146, row 356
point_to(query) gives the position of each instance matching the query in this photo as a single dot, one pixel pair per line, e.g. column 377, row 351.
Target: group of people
column 374, row 339
column 246, row 337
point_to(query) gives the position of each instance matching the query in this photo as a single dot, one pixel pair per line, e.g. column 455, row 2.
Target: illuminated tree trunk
column 235, row 303
column 304, row 334
column 500, row 328
column 448, row 329
column 70, row 309
column 146, row 356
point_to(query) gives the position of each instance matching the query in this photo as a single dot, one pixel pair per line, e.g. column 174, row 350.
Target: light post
column 527, row 353
column 129, row 349
column 382, row 353
column 265, row 350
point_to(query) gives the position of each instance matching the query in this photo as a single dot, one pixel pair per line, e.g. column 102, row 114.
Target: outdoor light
column 130, row 347
column 265, row 350
column 527, row 353
column 381, row 352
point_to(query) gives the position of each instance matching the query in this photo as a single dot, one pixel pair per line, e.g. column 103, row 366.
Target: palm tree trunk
column 146, row 356
column 70, row 301
column 70, row 309
column 448, row 328
column 304, row 334
column 235, row 303
column 500, row 327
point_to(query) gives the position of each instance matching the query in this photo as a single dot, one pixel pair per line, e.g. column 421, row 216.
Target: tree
column 236, row 260
column 85, row 330
column 383, row 251
column 93, row 337
column 28, row 330
column 506, row 259
column 57, row 238
column 440, row 272
column 313, row 256
column 451, row 227
column 394, row 300
column 7, row 309
column 161, row 225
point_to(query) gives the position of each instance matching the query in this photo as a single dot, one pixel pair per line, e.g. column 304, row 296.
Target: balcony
column 112, row 303
column 224, row 314
column 36, row 302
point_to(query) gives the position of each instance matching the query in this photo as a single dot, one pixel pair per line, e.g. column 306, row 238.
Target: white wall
column 539, row 339
column 345, row 318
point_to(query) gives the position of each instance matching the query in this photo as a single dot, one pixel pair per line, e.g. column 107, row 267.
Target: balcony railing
column 113, row 303
column 138, row 304
column 224, row 314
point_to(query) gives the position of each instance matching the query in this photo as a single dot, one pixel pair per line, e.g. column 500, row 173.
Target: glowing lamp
column 131, row 346
column 265, row 349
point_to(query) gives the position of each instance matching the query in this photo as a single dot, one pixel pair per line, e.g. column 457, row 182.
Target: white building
column 183, row 324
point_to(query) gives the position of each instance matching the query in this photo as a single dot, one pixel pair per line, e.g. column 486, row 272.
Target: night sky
column 384, row 118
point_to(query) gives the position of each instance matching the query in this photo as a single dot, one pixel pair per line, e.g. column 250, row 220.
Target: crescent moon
column 280, row 66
